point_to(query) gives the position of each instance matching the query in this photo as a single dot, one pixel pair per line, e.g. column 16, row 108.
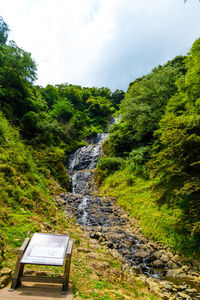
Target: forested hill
column 153, row 153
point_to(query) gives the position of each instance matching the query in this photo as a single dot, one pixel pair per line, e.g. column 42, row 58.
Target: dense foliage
column 158, row 137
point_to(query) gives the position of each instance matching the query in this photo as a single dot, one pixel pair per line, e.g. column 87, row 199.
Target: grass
column 137, row 197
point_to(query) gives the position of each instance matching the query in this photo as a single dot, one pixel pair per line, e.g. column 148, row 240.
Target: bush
column 107, row 166
column 138, row 158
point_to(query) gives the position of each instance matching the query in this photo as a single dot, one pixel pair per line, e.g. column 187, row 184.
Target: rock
column 142, row 254
column 165, row 296
column 43, row 273
column 4, row 280
column 6, row 271
column 158, row 264
column 165, row 257
column 182, row 287
column 185, row 268
column 172, row 265
column 152, row 285
column 191, row 291
column 158, row 254
column 29, row 272
column 166, row 285
column 184, row 296
column 176, row 259
column 176, row 273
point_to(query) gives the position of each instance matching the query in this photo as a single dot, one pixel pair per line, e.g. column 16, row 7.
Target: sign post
column 44, row 249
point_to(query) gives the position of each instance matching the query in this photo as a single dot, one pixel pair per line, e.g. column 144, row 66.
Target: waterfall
column 93, row 212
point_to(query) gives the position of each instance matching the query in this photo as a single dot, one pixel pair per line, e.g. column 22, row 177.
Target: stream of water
column 94, row 211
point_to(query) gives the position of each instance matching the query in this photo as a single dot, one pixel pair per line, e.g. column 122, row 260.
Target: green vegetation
column 39, row 127
column 158, row 139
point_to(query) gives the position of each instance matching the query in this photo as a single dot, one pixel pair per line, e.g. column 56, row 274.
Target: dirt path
column 35, row 291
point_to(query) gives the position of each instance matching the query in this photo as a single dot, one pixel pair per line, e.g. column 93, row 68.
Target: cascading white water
column 80, row 166
column 82, row 207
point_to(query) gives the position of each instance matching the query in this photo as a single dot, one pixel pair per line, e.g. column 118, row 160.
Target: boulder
column 6, row 271
column 152, row 285
column 176, row 273
column 142, row 254
column 166, row 285
column 158, row 254
column 172, row 265
column 4, row 280
column 158, row 264
column 165, row 257
column 176, row 259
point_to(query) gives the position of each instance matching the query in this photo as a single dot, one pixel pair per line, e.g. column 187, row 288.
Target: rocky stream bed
column 104, row 221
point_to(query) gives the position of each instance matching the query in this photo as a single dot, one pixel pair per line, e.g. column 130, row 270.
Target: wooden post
column 19, row 267
column 67, row 268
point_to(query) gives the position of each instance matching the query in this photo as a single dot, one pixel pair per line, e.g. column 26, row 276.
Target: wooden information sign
column 44, row 249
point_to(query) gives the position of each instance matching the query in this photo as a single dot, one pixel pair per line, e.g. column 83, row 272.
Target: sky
column 101, row 42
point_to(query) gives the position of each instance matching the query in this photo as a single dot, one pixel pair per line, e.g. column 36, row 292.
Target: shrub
column 107, row 166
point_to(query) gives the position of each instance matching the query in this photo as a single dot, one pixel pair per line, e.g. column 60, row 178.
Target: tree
column 17, row 73
column 117, row 97
column 176, row 159
column 3, row 31
column 143, row 106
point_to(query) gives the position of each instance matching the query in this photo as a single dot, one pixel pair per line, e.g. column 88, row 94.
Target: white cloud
column 101, row 42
